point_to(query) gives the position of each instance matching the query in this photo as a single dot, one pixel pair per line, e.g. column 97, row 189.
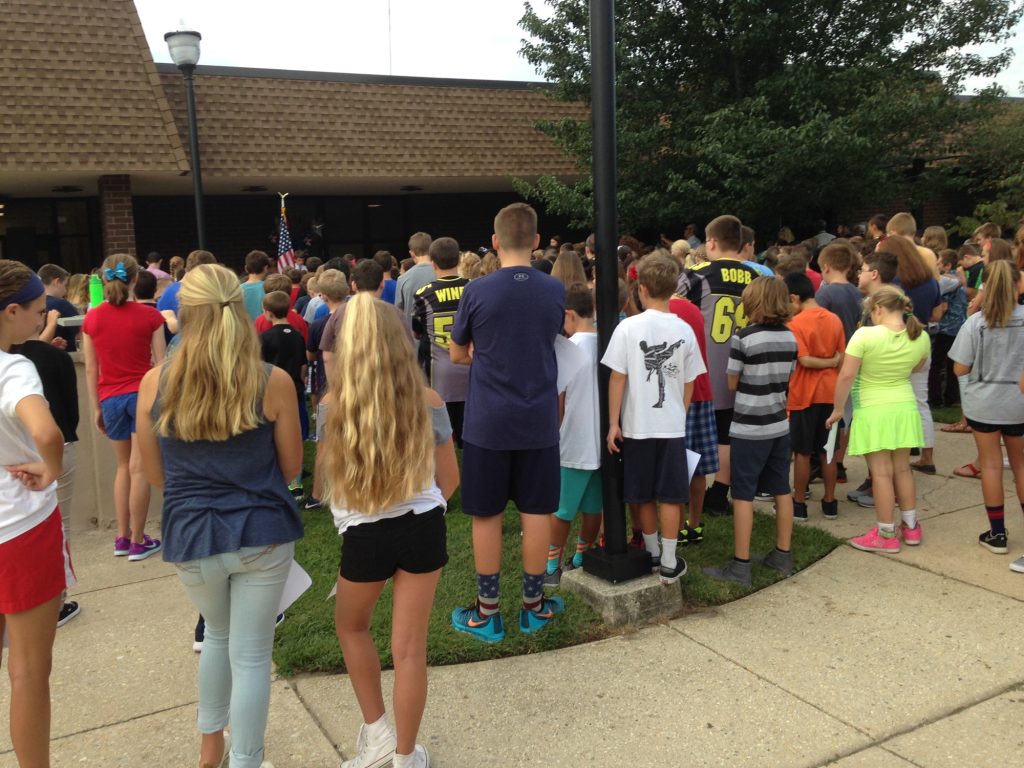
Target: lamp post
column 184, row 47
column 615, row 562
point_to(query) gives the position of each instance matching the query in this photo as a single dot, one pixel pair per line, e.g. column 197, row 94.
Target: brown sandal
column 961, row 427
column 968, row 470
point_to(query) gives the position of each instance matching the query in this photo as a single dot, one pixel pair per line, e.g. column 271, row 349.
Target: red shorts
column 35, row 567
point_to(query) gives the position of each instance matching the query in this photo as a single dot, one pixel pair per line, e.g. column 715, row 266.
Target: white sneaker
column 419, row 758
column 1018, row 565
column 373, row 751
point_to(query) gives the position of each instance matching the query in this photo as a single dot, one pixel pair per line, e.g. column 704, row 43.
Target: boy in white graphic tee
column 654, row 359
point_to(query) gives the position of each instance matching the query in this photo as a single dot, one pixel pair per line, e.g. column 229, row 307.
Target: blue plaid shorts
column 702, row 436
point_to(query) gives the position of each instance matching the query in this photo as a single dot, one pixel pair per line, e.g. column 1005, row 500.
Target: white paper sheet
column 570, row 359
column 298, row 582
column 830, row 443
column 692, row 460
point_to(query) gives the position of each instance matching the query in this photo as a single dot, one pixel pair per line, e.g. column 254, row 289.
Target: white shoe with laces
column 419, row 758
column 375, row 746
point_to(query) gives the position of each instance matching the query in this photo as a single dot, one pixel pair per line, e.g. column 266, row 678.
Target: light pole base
column 631, row 564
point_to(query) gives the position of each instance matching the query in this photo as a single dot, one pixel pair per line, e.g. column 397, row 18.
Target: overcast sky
column 432, row 38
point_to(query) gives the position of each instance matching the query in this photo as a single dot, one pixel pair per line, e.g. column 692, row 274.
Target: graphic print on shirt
column 655, row 358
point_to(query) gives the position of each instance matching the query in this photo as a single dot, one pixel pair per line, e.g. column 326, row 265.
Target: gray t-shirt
column 991, row 392
column 409, row 283
column 844, row 301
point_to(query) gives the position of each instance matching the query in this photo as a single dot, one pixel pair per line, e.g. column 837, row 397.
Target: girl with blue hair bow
column 122, row 340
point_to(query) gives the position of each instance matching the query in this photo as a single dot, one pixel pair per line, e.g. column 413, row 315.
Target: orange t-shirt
column 818, row 333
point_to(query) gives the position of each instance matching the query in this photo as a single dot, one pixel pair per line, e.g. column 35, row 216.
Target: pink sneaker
column 873, row 541
column 911, row 536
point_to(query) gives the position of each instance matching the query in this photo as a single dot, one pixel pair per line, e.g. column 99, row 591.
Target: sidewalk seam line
column 316, row 720
column 963, row 582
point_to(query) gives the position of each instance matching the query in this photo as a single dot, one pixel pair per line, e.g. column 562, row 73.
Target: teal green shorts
column 581, row 492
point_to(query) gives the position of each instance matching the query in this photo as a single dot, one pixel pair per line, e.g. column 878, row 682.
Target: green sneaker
column 688, row 535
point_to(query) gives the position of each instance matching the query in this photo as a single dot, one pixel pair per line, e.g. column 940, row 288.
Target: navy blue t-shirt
column 66, row 309
column 512, row 317
column 925, row 298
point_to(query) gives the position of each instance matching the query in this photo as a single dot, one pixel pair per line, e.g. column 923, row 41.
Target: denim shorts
column 119, row 415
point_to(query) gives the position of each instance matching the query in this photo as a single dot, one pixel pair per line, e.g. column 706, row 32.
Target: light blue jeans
column 238, row 594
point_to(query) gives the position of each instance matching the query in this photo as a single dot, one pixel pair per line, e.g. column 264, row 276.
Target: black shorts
column 655, row 470
column 807, row 433
column 530, row 478
column 412, row 543
column 456, row 415
column 759, row 465
column 723, row 420
column 1009, row 430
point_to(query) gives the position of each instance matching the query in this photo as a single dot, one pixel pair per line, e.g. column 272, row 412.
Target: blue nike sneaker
column 532, row 621
column 469, row 622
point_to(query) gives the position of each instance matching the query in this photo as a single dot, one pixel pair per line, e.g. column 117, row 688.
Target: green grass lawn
column 949, row 415
column 306, row 641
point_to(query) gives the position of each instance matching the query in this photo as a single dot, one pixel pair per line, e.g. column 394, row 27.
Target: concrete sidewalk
column 864, row 660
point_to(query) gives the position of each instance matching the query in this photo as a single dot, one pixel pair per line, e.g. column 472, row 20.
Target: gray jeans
column 238, row 594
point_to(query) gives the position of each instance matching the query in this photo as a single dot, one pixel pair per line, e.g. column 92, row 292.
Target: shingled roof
column 305, row 124
column 78, row 91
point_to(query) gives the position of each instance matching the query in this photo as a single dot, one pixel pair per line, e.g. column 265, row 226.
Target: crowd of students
column 724, row 364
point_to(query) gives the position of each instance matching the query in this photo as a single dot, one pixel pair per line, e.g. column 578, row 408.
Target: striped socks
column 533, row 590
column 995, row 519
column 554, row 558
column 487, row 603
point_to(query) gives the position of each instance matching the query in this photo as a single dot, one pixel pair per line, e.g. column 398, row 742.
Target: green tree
column 775, row 110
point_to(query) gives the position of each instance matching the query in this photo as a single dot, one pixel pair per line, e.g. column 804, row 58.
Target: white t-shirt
column 21, row 510
column 427, row 499
column 579, row 437
column 659, row 355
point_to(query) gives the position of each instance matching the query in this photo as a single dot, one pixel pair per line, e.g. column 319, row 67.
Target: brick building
column 95, row 139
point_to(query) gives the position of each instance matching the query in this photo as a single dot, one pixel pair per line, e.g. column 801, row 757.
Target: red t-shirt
column 688, row 312
column 123, row 339
column 294, row 320
column 815, row 278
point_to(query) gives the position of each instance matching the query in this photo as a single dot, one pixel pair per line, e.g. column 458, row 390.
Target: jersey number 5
column 729, row 317
column 442, row 330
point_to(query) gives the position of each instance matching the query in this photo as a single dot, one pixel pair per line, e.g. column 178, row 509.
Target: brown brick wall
column 117, row 219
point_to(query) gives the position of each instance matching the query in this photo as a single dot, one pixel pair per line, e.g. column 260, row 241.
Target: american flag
column 285, row 252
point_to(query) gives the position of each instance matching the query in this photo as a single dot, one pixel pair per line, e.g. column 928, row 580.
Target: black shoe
column 278, row 620
column 830, row 509
column 993, row 542
column 799, row 512
column 200, row 634
column 716, row 504
column 68, row 611
column 312, row 502
column 553, row 580
column 688, row 535
column 762, row 496
column 840, row 473
column 672, row 575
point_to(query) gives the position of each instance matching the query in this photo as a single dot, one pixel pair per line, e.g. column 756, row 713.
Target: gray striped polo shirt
column 763, row 356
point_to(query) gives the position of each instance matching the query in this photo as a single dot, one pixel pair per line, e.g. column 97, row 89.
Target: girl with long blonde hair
column 34, row 559
column 886, row 424
column 988, row 355
column 121, row 341
column 219, row 432
column 381, row 415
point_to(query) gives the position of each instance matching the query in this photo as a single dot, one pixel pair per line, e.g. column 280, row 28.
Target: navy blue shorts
column 760, row 465
column 655, row 470
column 530, row 478
column 119, row 415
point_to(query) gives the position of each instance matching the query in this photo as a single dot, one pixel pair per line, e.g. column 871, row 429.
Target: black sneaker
column 688, row 535
column 762, row 496
column 279, row 620
column 716, row 502
column 68, row 611
column 672, row 575
column 993, row 542
column 200, row 634
column 799, row 512
column 815, row 474
column 840, row 473
column 830, row 509
column 312, row 502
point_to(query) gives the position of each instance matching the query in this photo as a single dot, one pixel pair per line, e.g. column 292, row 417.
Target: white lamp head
column 184, row 47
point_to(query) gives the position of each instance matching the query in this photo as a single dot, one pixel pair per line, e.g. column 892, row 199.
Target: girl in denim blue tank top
column 219, row 433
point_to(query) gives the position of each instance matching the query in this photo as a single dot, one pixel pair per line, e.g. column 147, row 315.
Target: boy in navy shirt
column 506, row 327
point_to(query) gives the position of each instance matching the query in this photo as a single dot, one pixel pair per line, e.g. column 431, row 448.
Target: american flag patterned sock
column 487, row 584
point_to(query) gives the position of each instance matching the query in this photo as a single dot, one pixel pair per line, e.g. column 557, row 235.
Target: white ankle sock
column 651, row 544
column 668, row 553
column 909, row 517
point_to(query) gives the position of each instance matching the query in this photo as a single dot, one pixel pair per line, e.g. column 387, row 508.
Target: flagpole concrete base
column 637, row 601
